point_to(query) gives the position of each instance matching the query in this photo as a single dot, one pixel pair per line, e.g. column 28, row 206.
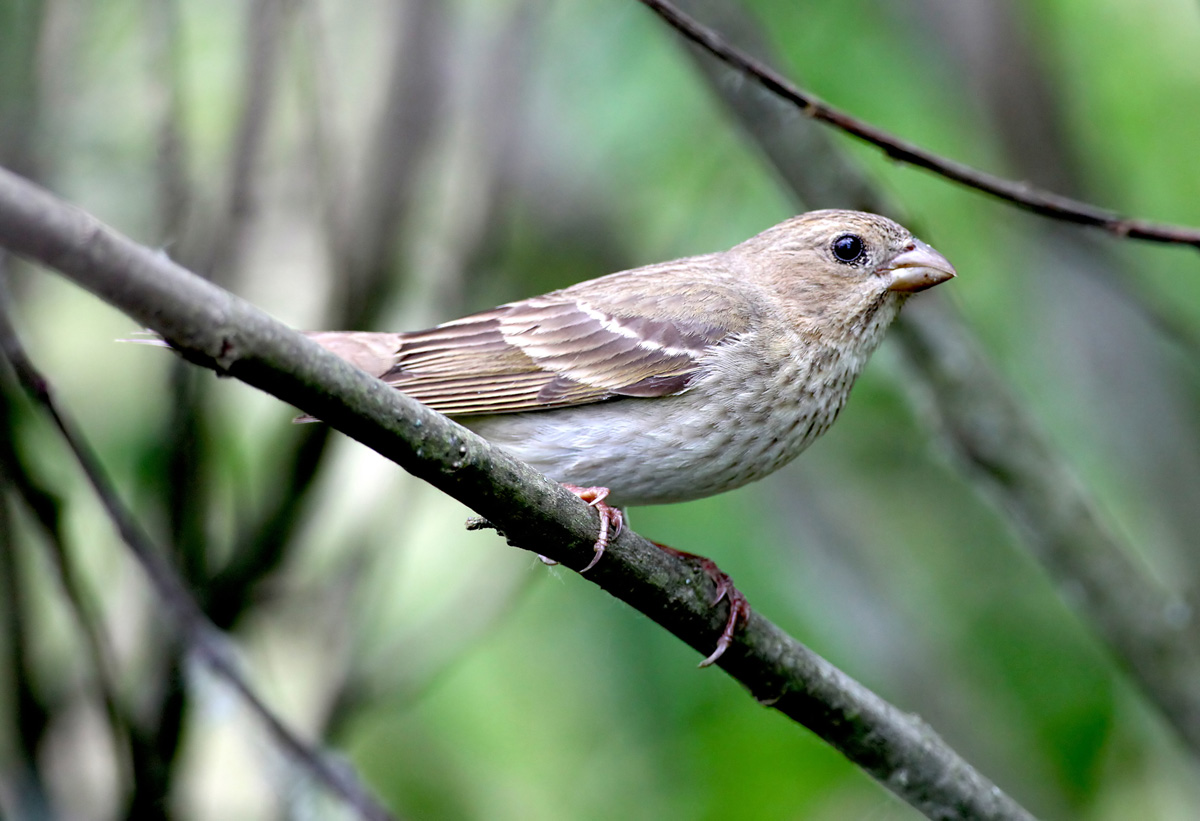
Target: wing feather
column 595, row 341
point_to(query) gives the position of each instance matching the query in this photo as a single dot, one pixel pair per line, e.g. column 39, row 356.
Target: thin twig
column 401, row 141
column 1022, row 194
column 46, row 510
column 1149, row 630
column 202, row 638
column 23, row 792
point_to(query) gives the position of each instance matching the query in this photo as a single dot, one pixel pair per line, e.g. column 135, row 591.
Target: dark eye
column 848, row 248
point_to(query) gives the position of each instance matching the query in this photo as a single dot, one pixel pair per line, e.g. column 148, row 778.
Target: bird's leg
column 610, row 518
column 739, row 607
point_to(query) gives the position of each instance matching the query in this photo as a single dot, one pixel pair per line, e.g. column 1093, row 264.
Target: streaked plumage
column 672, row 381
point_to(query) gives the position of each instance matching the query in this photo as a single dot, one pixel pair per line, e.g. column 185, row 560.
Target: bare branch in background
column 264, row 35
column 1022, row 194
column 1004, row 72
column 214, row 328
column 174, row 192
column 319, row 86
column 23, row 790
column 1150, row 631
column 499, row 112
column 365, row 259
column 367, row 244
column 20, row 103
column 201, row 637
column 46, row 510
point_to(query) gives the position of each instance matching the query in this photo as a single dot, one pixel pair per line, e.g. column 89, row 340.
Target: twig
column 23, row 791
column 403, row 136
column 216, row 329
column 1148, row 630
column 46, row 510
column 1022, row 194
column 202, row 638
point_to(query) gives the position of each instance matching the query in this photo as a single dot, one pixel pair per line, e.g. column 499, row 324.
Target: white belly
column 672, row 449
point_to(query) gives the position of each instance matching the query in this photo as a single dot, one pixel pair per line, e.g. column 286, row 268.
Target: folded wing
column 594, row 342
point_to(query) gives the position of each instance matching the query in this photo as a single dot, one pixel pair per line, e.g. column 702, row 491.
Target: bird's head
column 844, row 264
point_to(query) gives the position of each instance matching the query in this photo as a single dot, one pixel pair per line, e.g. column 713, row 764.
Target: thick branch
column 216, row 329
column 1021, row 194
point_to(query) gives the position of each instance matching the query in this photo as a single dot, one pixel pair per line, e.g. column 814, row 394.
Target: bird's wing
column 616, row 336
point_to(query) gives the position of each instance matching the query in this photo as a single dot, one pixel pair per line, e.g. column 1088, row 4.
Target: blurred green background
column 383, row 166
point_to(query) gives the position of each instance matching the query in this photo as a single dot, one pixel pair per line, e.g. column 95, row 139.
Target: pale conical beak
column 916, row 268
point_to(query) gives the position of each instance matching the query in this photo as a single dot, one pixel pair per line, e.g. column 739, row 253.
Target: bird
column 676, row 380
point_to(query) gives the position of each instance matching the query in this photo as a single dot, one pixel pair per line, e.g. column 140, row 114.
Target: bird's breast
column 728, row 429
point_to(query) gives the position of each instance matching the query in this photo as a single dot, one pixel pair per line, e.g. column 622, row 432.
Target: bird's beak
column 916, row 268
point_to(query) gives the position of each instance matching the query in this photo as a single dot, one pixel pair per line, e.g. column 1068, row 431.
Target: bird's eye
column 848, row 248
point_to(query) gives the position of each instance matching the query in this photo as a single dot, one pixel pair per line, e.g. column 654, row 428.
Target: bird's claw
column 739, row 607
column 739, row 612
column 612, row 522
column 611, row 519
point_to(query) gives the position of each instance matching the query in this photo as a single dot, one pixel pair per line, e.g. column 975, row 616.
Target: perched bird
column 672, row 381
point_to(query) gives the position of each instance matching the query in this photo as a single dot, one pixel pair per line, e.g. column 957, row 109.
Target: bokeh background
column 380, row 165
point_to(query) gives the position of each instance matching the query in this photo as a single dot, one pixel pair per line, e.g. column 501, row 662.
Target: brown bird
column 672, row 381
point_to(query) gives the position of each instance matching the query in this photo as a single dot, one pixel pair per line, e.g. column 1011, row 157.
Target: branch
column 22, row 787
column 46, row 511
column 216, row 329
column 201, row 636
column 1149, row 630
column 1021, row 194
column 413, row 108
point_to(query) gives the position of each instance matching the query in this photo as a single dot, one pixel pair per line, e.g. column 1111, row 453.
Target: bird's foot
column 739, row 607
column 612, row 520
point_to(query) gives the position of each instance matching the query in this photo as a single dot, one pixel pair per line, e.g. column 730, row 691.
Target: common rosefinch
column 672, row 381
